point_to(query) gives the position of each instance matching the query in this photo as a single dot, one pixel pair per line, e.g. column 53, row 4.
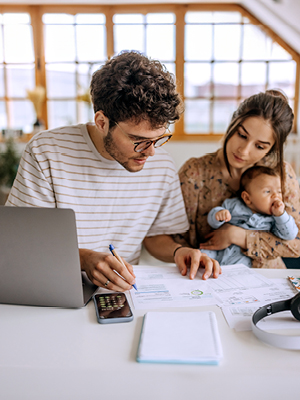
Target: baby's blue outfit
column 283, row 226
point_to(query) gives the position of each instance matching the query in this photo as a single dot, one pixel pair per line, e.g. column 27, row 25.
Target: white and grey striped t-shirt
column 62, row 168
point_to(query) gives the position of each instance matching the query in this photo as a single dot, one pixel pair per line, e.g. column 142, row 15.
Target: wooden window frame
column 36, row 12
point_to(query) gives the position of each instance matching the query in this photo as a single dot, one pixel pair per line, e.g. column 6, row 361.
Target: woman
column 255, row 136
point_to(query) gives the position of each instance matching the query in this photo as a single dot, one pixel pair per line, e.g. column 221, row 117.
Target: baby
column 259, row 208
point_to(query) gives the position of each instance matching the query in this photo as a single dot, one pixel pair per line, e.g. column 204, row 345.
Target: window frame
column 36, row 12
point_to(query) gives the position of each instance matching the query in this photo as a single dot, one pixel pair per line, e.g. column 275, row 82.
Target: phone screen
column 112, row 305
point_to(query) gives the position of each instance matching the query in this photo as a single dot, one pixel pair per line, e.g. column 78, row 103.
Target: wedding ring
column 107, row 282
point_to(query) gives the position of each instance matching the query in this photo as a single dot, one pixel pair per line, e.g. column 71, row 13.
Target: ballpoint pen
column 114, row 253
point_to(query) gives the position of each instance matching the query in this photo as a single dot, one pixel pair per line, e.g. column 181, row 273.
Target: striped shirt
column 62, row 168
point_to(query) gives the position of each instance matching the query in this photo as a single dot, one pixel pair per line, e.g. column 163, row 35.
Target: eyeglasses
column 145, row 144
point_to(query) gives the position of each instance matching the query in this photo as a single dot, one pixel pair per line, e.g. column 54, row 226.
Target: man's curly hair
column 130, row 86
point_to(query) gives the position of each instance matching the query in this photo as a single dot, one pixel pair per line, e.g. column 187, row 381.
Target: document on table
column 239, row 315
column 239, row 291
column 241, row 285
column 165, row 287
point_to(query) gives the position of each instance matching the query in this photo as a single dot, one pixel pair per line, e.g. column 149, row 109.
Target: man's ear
column 246, row 197
column 102, row 122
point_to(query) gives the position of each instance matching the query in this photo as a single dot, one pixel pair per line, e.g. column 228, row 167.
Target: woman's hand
column 223, row 237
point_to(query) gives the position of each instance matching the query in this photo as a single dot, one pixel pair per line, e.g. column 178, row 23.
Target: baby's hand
column 223, row 215
column 277, row 208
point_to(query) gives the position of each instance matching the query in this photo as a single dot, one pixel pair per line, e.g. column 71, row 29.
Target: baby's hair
column 253, row 172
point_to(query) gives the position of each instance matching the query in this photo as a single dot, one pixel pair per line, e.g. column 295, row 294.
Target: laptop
column 39, row 258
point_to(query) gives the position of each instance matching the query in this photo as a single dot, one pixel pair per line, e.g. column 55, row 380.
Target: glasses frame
column 150, row 141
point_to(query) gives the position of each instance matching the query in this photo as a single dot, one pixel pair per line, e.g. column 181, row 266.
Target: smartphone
column 112, row 308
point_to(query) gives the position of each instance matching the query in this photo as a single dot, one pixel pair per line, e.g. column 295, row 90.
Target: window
column 75, row 46
column 144, row 33
column 226, row 59
column 219, row 54
column 17, row 70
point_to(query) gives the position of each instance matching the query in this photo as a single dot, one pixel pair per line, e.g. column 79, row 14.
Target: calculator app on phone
column 112, row 307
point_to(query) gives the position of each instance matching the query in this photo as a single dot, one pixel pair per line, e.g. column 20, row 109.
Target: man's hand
column 187, row 257
column 277, row 208
column 223, row 215
column 104, row 270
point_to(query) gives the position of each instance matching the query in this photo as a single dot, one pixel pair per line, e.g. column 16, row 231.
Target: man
column 102, row 172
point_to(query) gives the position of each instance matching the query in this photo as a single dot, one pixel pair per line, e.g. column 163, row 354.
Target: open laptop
column 39, row 258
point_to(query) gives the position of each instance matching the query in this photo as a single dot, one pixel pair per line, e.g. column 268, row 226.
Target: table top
column 53, row 353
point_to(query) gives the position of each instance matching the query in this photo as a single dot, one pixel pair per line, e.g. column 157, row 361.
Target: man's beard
column 111, row 149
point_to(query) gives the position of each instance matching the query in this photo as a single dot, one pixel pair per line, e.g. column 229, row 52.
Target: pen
column 114, row 253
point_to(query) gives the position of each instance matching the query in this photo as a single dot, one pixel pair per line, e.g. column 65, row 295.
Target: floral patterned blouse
column 204, row 187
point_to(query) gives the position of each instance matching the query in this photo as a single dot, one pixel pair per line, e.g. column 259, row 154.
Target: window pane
column 2, row 90
column 222, row 113
column 197, row 79
column 61, row 80
column 84, row 75
column 161, row 42
column 23, row 115
column 278, row 53
column 163, row 18
column 95, row 67
column 227, row 42
column 90, row 19
column 87, row 49
column 253, row 78
column 19, row 78
column 128, row 19
column 129, row 37
column 257, row 45
column 226, row 79
column 198, row 42
column 61, row 113
column 16, row 18
column 59, row 43
column 1, row 45
column 282, row 75
column 85, row 112
column 58, row 19
column 198, row 17
column 196, row 116
column 3, row 116
column 227, row 17
column 170, row 67
column 18, row 43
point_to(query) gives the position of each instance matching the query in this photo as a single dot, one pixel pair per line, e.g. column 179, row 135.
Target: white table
column 51, row 353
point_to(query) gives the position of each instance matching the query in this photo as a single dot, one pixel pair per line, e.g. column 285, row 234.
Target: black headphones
column 284, row 342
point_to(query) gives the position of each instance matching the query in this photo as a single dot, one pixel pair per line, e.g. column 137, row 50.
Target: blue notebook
column 180, row 338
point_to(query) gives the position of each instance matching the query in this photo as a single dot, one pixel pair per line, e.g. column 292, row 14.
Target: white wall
column 182, row 151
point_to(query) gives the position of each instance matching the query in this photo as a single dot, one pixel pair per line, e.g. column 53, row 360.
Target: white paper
column 239, row 291
column 165, row 287
column 240, row 285
column 239, row 315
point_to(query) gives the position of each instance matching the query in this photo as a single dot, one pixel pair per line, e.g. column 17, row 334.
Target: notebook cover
column 180, row 338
